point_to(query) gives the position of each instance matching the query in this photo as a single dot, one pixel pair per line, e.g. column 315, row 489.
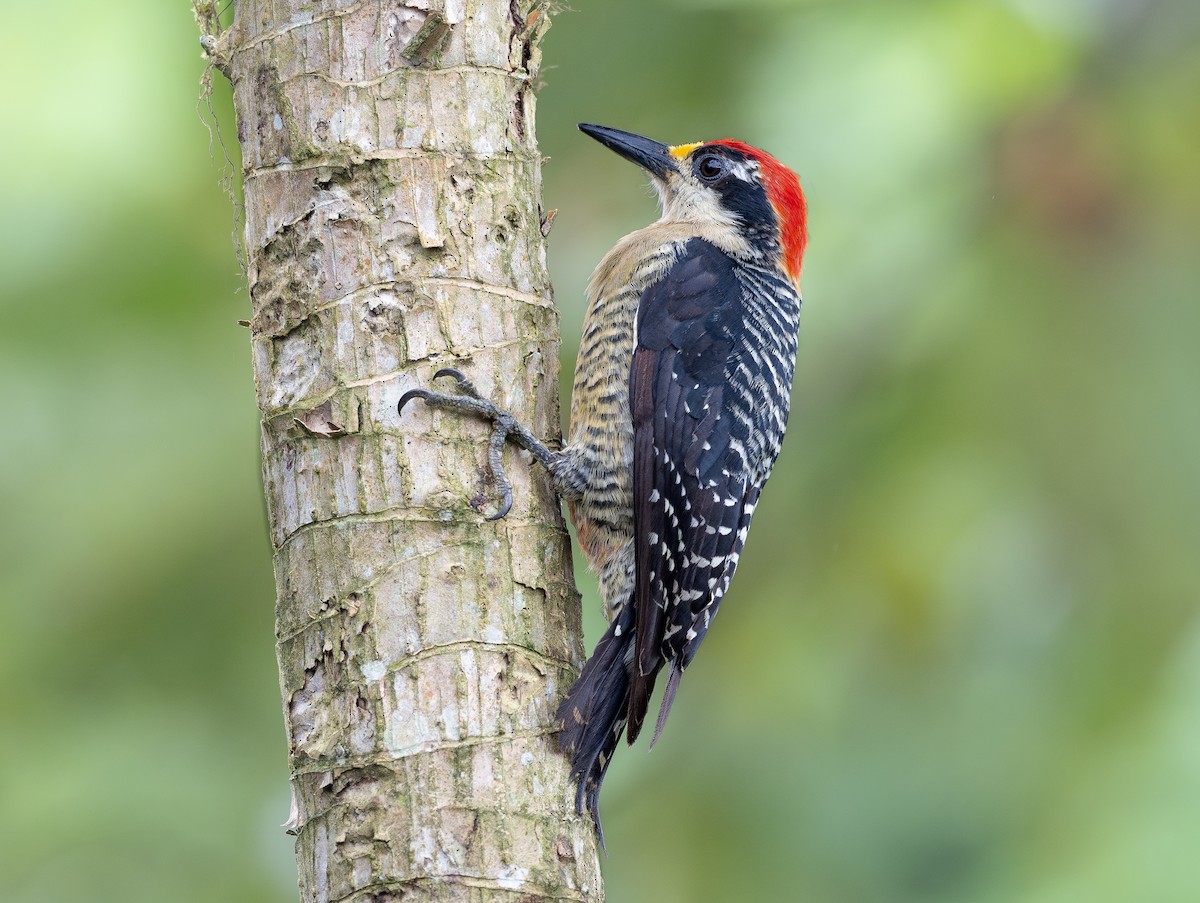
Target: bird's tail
column 594, row 712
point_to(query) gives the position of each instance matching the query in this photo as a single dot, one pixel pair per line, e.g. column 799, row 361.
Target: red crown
column 783, row 191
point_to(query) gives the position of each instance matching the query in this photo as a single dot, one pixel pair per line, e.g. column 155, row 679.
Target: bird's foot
column 504, row 427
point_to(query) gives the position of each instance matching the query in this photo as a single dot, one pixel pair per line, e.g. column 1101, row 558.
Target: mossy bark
column 392, row 186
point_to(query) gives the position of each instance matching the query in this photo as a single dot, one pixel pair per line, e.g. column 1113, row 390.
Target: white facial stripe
column 743, row 169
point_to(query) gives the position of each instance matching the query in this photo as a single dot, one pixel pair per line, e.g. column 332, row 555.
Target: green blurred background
column 961, row 659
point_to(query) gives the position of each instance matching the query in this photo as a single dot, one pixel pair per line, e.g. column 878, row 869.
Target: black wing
column 698, row 392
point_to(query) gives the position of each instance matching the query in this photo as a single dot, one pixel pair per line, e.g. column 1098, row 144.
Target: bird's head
column 724, row 182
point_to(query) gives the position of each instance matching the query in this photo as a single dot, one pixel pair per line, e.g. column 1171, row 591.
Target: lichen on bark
column 392, row 227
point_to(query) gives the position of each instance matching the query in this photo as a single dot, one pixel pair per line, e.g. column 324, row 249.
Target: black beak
column 650, row 155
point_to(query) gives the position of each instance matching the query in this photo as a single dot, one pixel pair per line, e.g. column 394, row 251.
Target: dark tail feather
column 593, row 713
column 640, row 690
column 668, row 697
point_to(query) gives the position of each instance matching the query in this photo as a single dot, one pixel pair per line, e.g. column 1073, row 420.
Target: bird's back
column 601, row 430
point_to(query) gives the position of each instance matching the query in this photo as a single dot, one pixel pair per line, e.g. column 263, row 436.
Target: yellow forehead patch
column 679, row 151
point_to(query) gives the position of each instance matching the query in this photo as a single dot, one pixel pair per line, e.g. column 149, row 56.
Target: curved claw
column 409, row 396
column 506, row 503
column 464, row 384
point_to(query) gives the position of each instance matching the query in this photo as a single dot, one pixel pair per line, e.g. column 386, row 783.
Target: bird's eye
column 710, row 167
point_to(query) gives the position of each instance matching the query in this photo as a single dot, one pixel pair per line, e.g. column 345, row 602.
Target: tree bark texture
column 392, row 187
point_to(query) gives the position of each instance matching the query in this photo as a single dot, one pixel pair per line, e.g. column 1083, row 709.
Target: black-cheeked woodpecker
column 678, row 412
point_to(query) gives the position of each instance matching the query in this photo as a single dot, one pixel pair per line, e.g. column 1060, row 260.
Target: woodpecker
column 678, row 411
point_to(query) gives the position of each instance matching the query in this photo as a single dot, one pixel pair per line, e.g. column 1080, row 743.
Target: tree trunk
column 392, row 187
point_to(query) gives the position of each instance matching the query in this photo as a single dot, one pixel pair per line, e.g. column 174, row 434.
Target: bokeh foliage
column 961, row 658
